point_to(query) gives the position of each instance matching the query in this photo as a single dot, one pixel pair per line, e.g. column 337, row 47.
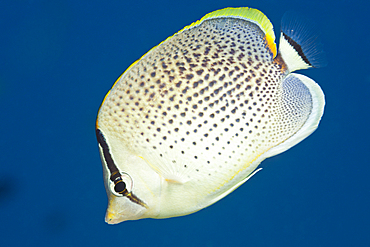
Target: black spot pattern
column 209, row 100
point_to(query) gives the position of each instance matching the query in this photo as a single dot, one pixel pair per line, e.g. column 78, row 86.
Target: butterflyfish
column 192, row 119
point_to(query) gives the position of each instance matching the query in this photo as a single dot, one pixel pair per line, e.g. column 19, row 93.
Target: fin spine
column 300, row 44
column 297, row 48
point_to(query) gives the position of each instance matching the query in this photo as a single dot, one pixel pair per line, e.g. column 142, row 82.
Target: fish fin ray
column 313, row 113
column 253, row 15
column 219, row 196
column 299, row 45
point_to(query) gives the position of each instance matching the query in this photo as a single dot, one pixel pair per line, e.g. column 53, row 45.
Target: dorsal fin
column 300, row 46
column 250, row 14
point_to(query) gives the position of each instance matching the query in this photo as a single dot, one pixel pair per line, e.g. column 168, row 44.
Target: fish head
column 132, row 187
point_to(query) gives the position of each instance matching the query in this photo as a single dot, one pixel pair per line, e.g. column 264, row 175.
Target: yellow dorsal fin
column 250, row 14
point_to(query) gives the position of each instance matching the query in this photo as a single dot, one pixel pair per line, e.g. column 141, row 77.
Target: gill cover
column 119, row 186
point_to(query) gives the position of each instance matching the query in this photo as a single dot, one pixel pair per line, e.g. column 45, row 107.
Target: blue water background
column 59, row 58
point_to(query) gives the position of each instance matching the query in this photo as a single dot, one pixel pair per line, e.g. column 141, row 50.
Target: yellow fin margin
column 250, row 14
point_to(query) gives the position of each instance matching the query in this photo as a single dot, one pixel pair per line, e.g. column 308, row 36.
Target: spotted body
column 192, row 119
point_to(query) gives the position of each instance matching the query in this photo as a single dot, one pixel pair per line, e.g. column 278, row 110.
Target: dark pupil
column 120, row 186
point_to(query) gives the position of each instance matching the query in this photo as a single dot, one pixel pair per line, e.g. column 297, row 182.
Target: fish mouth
column 122, row 210
column 112, row 218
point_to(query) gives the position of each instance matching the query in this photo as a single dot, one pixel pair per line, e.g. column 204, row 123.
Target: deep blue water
column 59, row 58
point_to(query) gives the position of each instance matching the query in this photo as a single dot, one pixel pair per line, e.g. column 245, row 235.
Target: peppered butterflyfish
column 191, row 120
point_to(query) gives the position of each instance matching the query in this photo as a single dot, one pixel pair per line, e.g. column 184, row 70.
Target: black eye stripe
column 120, row 186
column 107, row 156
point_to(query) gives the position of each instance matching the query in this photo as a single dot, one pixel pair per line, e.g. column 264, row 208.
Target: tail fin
column 300, row 46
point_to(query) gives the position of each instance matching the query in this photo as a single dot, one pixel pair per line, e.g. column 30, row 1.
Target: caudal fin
column 300, row 46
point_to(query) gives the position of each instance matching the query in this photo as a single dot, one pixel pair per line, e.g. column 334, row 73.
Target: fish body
column 192, row 119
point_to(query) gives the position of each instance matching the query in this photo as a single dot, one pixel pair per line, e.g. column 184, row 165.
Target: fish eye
column 120, row 184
